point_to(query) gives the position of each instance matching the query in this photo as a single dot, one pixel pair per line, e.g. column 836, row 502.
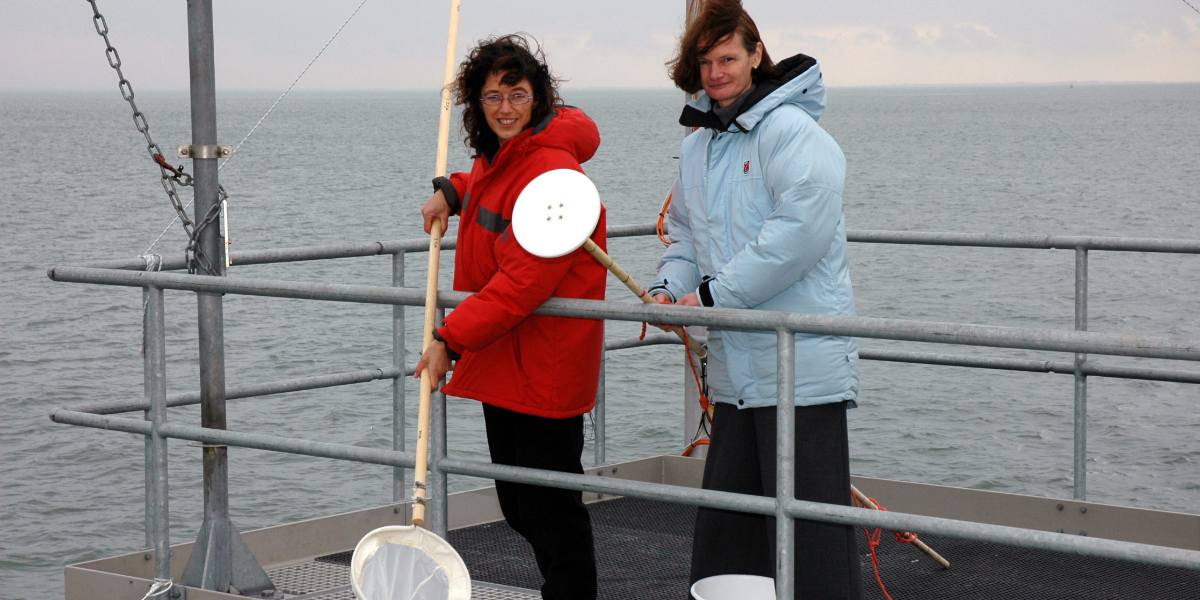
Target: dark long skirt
column 741, row 458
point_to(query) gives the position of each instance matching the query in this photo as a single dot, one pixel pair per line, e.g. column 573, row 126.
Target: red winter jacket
column 536, row 365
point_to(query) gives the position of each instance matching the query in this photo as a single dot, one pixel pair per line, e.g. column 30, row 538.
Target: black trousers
column 741, row 458
column 553, row 521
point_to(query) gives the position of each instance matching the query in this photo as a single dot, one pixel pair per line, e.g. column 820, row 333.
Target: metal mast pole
column 220, row 558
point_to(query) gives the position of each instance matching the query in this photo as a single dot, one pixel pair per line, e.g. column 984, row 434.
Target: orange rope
column 873, row 541
column 704, row 402
column 692, row 446
column 660, row 228
column 699, row 387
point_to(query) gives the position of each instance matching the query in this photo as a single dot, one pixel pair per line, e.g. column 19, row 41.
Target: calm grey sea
column 76, row 184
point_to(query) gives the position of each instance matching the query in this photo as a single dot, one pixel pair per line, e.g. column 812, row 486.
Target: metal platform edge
column 128, row 576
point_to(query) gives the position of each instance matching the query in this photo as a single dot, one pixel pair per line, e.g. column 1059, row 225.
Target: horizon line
column 614, row 88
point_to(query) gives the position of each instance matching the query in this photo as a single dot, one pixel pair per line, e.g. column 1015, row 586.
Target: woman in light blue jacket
column 756, row 223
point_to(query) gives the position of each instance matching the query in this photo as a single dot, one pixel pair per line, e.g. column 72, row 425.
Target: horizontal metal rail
column 246, row 391
column 922, row 238
column 312, row 383
column 239, row 439
column 368, row 375
column 1031, row 366
column 1037, row 242
column 863, row 327
column 325, row 252
column 829, row 513
column 654, row 339
column 1080, row 545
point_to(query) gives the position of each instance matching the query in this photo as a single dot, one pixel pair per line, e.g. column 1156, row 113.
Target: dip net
column 407, row 563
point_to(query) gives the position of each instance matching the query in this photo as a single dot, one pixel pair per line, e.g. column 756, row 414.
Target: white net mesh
column 408, row 563
column 399, row 572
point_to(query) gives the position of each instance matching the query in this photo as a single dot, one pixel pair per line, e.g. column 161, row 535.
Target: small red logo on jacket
column 746, row 168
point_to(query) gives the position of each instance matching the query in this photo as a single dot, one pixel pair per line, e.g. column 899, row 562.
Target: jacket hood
column 800, row 84
column 567, row 129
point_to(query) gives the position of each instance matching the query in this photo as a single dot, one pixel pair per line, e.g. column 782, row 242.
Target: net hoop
column 409, row 535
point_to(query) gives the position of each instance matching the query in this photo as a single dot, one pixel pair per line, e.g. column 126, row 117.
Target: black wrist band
column 661, row 290
column 705, row 295
column 438, row 338
column 450, row 192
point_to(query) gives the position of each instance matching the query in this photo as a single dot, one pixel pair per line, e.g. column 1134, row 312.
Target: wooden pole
column 865, row 501
column 604, row 259
column 435, row 246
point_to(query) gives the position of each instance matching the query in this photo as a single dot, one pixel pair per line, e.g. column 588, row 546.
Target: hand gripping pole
column 603, row 258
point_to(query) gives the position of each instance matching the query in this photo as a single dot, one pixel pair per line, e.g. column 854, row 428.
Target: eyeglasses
column 515, row 99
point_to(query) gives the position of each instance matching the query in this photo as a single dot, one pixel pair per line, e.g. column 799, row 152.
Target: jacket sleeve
column 522, row 283
column 677, row 271
column 803, row 171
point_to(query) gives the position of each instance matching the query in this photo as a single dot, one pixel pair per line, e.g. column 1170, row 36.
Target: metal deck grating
column 310, row 577
column 328, row 578
column 982, row 571
column 643, row 551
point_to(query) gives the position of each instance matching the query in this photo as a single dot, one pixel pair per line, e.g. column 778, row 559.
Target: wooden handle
column 431, row 283
column 435, row 246
column 606, row 260
column 865, row 501
column 447, row 89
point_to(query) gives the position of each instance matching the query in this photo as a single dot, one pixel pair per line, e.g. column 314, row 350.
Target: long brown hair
column 513, row 56
column 717, row 20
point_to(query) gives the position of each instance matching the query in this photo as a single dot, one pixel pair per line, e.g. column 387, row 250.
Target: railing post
column 598, row 412
column 1081, row 298
column 785, row 465
column 398, row 490
column 437, row 451
column 156, row 363
column 147, row 389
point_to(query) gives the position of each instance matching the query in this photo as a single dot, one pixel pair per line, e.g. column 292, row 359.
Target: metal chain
column 170, row 175
column 195, row 256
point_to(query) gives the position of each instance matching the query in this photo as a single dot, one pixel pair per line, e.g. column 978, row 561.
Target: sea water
column 76, row 184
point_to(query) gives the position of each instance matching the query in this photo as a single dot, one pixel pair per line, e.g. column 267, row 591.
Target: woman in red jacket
column 535, row 375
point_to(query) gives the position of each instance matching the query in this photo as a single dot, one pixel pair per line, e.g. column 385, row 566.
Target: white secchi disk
column 556, row 213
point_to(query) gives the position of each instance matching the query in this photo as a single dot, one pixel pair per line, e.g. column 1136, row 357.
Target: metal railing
column 784, row 507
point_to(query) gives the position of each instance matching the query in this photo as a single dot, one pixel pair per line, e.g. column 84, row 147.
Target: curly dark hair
column 513, row 56
column 716, row 20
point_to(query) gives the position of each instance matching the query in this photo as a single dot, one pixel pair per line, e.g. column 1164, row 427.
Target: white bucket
column 734, row 587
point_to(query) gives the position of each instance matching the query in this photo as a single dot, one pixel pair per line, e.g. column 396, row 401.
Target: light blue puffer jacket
column 758, row 207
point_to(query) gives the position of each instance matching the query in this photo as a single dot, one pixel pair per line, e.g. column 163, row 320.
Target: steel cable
column 260, row 121
column 294, row 81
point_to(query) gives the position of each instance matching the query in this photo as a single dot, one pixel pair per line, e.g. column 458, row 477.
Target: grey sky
column 400, row 44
